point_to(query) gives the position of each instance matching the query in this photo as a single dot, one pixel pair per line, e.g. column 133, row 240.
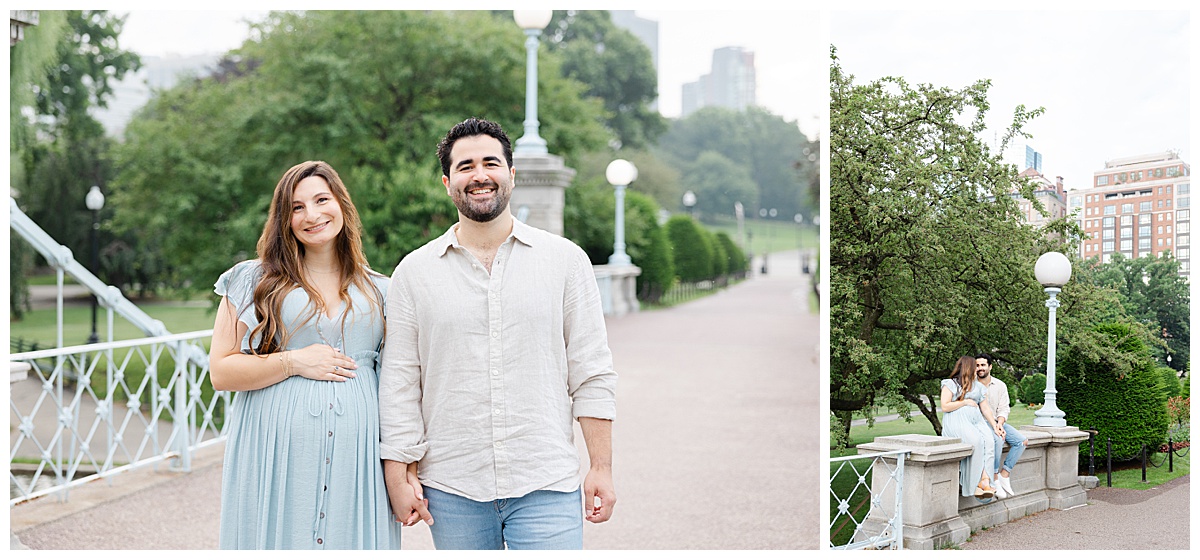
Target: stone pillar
column 537, row 197
column 1062, row 465
column 618, row 288
column 931, row 490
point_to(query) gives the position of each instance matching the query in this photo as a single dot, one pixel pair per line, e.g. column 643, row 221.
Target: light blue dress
column 968, row 424
column 302, row 467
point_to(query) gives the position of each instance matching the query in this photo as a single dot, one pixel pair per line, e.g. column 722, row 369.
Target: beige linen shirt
column 997, row 397
column 483, row 375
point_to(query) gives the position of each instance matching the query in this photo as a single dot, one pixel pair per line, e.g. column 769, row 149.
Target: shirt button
column 319, row 541
column 497, row 411
column 322, row 515
column 330, row 406
column 495, row 334
column 330, row 434
column 327, row 460
column 495, row 372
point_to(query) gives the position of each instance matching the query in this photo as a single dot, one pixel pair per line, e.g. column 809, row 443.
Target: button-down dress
column 968, row 424
column 302, row 467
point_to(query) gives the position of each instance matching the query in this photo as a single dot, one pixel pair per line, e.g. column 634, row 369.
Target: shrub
column 1169, row 382
column 690, row 250
column 837, row 433
column 652, row 252
column 720, row 260
column 1128, row 408
column 1033, row 389
column 735, row 259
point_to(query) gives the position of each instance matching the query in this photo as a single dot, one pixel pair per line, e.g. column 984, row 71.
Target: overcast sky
column 790, row 54
column 1113, row 83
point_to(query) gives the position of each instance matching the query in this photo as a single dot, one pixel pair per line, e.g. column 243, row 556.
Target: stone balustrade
column 935, row 514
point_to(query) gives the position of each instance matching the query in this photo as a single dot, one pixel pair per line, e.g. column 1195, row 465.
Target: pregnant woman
column 969, row 418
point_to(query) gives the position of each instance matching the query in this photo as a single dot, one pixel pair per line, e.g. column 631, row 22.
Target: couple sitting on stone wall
column 976, row 409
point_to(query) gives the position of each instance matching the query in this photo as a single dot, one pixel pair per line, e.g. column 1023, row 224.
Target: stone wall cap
column 922, row 448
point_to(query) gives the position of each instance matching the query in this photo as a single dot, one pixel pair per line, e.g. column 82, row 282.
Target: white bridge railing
column 862, row 485
column 84, row 412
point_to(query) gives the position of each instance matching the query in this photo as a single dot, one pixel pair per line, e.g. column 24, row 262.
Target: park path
column 716, row 444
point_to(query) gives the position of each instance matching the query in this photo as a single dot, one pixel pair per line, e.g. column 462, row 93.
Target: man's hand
column 408, row 503
column 598, row 484
column 598, row 487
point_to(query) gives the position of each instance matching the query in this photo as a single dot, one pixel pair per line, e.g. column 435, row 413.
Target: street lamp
column 532, row 21
column 689, row 202
column 95, row 202
column 620, row 173
column 1052, row 270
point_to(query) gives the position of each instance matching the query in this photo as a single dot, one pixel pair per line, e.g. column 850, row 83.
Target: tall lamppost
column 533, row 22
column 1053, row 270
column 619, row 174
column 95, row 202
column 689, row 202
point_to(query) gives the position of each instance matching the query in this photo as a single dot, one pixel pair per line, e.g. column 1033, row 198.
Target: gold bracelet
column 286, row 361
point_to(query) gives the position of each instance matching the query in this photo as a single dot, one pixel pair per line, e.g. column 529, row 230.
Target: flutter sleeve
column 237, row 285
column 950, row 384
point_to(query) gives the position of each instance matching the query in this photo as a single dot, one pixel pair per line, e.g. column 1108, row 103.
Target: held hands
column 999, row 428
column 598, row 487
column 407, row 497
column 320, row 362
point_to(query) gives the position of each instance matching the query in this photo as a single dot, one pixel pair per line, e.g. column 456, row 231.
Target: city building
column 1050, row 193
column 732, row 83
column 1138, row 206
column 644, row 29
column 135, row 88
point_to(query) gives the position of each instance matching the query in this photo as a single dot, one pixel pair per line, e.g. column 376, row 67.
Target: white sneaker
column 1006, row 483
column 1000, row 492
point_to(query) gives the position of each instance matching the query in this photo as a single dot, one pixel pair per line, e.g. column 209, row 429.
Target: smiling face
column 480, row 181
column 316, row 216
column 983, row 369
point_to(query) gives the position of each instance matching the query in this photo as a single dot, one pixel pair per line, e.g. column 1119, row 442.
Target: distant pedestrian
column 298, row 335
column 496, row 345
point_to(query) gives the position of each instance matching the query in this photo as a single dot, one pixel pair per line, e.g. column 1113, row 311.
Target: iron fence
column 867, row 501
column 95, row 410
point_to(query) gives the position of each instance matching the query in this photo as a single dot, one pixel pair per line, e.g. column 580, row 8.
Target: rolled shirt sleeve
column 591, row 378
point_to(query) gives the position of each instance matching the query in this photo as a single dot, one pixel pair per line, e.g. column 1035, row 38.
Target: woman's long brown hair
column 964, row 375
column 282, row 257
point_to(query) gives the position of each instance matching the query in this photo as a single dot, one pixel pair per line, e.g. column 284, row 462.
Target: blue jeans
column 541, row 520
column 1016, row 446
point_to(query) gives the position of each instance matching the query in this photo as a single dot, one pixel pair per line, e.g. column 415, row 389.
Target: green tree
column 719, row 183
column 62, row 71
column 929, row 258
column 1152, row 292
column 369, row 92
column 616, row 67
column 771, row 149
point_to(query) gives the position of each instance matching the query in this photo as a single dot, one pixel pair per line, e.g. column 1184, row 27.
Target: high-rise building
column 1138, row 206
column 1051, row 194
column 644, row 29
column 732, row 83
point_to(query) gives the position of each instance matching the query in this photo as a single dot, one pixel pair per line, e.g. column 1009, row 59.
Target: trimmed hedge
column 1130, row 409
column 735, row 259
column 690, row 250
column 1169, row 382
column 1033, row 389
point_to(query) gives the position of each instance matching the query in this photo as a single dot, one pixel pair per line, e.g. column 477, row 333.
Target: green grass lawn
column 41, row 325
column 768, row 236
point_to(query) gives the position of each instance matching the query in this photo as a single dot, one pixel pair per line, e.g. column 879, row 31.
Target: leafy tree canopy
column 369, row 92
column 780, row 160
column 1152, row 292
column 929, row 257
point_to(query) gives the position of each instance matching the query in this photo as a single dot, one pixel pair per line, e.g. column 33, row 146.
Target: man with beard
column 495, row 343
column 997, row 397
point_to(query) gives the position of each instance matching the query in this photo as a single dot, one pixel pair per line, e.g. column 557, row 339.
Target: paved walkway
column 715, row 445
column 1113, row 519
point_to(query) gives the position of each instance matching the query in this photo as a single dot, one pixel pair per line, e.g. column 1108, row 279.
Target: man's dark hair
column 472, row 127
column 985, row 356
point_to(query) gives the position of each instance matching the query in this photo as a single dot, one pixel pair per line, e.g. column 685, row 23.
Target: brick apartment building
column 1137, row 206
